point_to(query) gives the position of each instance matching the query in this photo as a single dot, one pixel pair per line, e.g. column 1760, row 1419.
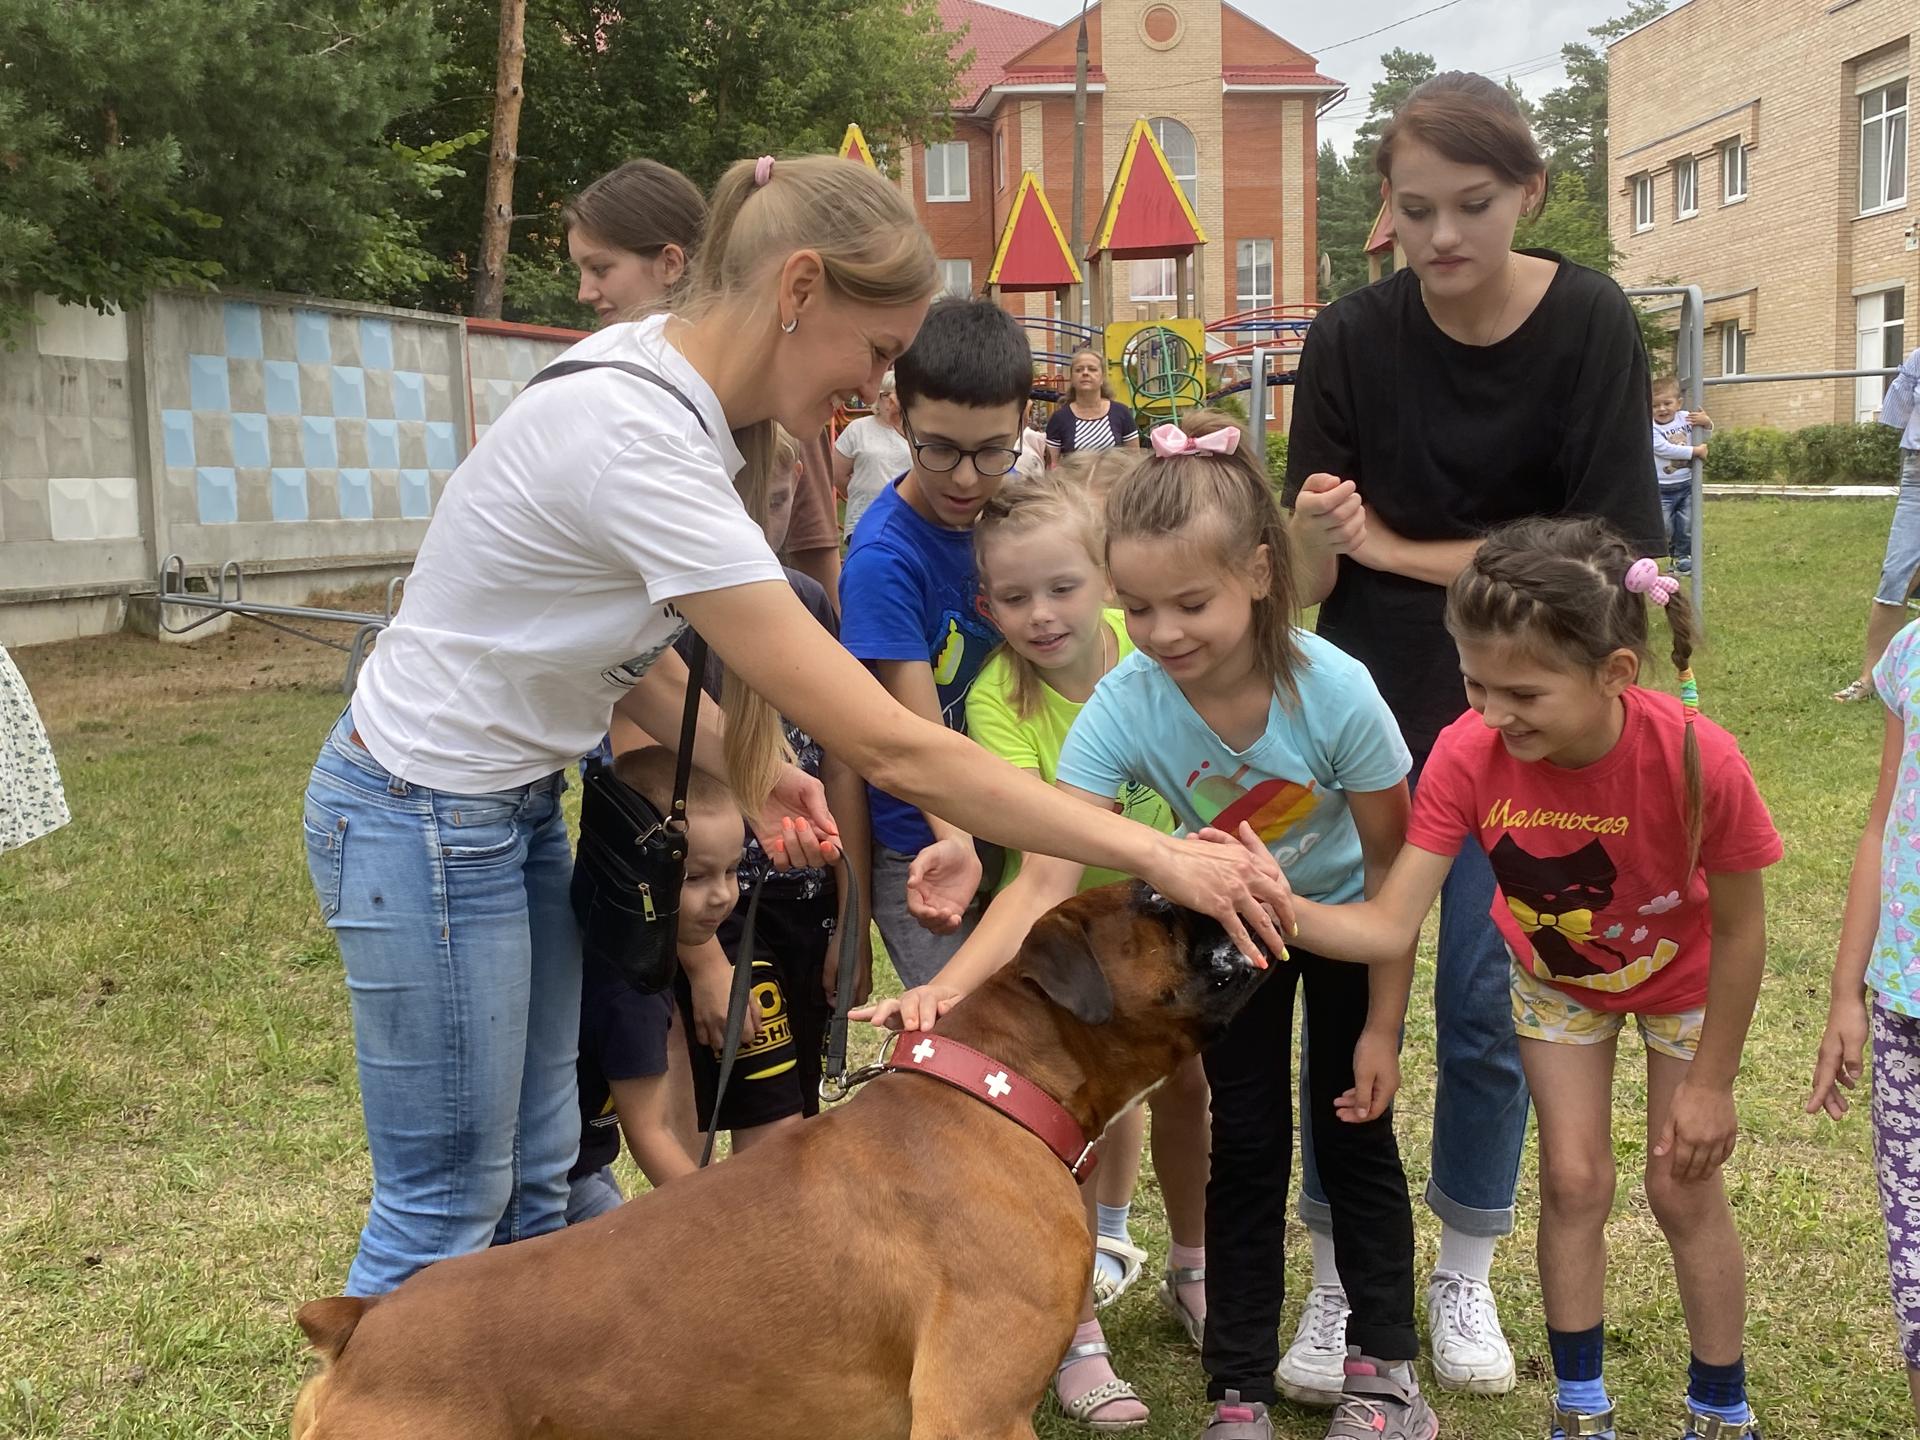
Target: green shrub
column 1844, row 454
column 1276, row 455
column 1747, row 456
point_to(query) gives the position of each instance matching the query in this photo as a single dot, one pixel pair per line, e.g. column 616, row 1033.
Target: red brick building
column 1232, row 105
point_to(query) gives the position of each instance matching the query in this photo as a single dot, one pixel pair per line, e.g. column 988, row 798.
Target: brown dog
column 905, row 1267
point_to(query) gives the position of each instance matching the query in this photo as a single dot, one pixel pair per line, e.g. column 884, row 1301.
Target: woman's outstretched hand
column 1233, row 879
column 795, row 827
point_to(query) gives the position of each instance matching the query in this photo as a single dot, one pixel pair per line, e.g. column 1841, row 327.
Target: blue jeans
column 463, row 970
column 594, row 1195
column 1676, row 506
column 1902, row 564
column 1480, row 1102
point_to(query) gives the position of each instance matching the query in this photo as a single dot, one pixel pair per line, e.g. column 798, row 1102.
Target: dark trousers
column 1250, row 1071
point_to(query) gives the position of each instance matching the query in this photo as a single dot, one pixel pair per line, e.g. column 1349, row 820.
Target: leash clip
column 1083, row 1167
column 835, row 1088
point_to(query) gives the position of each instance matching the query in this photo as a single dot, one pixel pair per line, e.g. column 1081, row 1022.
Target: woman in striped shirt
column 1091, row 419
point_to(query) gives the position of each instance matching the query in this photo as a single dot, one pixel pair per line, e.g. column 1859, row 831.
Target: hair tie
column 1689, row 695
column 1171, row 440
column 1644, row 578
column 762, row 171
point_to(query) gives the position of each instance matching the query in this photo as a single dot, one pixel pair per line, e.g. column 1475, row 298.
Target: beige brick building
column 1760, row 149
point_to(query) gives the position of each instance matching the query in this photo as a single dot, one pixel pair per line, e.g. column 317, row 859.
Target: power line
column 1355, row 40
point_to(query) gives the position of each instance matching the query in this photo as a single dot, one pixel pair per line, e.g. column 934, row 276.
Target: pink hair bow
column 1644, row 578
column 1170, row 440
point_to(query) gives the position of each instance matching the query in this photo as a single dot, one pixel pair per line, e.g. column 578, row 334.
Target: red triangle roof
column 1033, row 254
column 1381, row 237
column 1146, row 215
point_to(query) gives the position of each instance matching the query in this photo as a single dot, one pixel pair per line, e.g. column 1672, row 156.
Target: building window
column 1883, row 147
column 1733, row 172
column 956, row 278
column 1254, row 271
column 1686, row 187
column 1642, row 203
column 999, row 160
column 1155, row 280
column 947, row 172
column 1733, row 349
column 1176, row 143
column 1882, row 325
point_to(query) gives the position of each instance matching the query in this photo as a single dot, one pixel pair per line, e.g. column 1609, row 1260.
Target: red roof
column 1146, row 215
column 1277, row 75
column 1033, row 254
column 995, row 36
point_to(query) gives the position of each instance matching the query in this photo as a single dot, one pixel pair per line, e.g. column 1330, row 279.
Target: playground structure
column 1159, row 368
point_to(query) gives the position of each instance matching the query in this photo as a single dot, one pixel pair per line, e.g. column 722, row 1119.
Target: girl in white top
column 591, row 523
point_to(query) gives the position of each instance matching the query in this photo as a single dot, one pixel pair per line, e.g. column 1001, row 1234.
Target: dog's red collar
column 1012, row 1094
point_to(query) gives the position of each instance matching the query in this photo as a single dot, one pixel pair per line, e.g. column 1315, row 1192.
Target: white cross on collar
column 997, row 1085
column 923, row 1052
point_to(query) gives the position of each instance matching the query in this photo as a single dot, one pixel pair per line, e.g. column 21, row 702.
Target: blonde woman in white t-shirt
column 597, row 517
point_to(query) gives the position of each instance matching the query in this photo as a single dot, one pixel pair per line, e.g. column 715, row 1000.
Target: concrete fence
column 304, row 441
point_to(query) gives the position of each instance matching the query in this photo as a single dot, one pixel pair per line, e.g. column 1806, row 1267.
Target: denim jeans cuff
column 1316, row 1215
column 1466, row 1219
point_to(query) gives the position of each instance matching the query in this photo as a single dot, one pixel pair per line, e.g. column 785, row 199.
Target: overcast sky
column 1521, row 38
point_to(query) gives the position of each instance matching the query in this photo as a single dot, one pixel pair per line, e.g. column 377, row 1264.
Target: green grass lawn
column 180, row 1134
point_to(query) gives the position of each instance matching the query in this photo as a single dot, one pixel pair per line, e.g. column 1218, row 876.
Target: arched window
column 1176, row 143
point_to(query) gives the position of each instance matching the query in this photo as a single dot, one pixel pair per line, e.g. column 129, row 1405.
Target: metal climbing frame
column 172, row 590
column 1164, row 373
column 1053, row 343
column 1689, row 368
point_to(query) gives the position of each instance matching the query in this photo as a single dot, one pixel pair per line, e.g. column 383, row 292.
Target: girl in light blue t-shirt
column 1248, row 725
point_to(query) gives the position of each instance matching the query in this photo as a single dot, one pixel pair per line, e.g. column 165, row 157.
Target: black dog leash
column 834, row 1062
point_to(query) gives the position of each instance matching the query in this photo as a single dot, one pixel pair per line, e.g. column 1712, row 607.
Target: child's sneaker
column 1237, row 1419
column 1376, row 1406
column 1579, row 1425
column 1469, row 1350
column 1314, row 1368
column 1702, row 1426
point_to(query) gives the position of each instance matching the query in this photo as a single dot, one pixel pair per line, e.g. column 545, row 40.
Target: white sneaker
column 1469, row 1351
column 1314, row 1369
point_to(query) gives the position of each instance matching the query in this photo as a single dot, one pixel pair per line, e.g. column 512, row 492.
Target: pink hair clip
column 1171, row 440
column 762, row 171
column 1644, row 578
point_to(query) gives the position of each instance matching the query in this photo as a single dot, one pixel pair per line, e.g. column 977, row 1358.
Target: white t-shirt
column 880, row 456
column 542, row 590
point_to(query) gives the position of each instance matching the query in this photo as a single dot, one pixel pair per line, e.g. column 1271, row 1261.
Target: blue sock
column 1578, row 1359
column 1111, row 1223
column 1719, row 1390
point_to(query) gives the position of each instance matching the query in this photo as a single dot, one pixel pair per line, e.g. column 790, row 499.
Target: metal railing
column 1689, row 367
column 172, row 590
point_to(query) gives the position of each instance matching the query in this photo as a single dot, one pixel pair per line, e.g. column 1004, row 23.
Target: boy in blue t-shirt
column 908, row 600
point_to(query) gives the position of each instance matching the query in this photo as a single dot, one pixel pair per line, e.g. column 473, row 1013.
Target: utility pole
column 1080, row 141
column 496, row 222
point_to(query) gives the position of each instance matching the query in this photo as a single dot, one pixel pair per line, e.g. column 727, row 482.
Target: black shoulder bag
column 632, row 859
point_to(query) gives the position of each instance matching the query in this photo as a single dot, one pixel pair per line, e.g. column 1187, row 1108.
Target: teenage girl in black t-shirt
column 1476, row 385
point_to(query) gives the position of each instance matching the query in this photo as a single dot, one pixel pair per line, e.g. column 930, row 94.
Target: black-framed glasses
column 939, row 457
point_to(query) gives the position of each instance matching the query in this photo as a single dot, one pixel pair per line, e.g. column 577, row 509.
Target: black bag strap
column 574, row 367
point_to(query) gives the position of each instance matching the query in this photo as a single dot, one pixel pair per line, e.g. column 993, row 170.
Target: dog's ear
column 330, row 1323
column 1058, row 957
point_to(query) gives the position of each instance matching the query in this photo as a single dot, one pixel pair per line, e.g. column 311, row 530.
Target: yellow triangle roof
column 853, row 146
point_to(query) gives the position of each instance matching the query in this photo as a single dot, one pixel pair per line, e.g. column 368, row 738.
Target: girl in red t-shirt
column 1628, row 840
